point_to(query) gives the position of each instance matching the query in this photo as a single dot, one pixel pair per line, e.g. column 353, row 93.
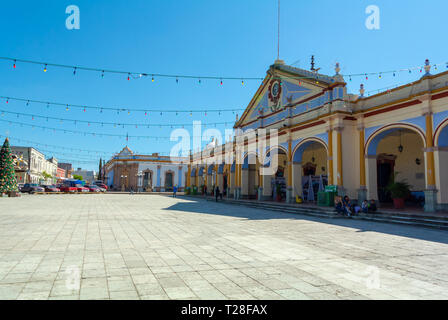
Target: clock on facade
column 275, row 90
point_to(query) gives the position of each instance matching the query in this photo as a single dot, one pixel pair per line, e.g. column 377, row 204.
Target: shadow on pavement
column 201, row 206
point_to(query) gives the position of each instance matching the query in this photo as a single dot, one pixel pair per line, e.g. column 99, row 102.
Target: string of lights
column 98, row 153
column 93, row 134
column 56, row 146
column 114, row 124
column 146, row 111
column 136, row 75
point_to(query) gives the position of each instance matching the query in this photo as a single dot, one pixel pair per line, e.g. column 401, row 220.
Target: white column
column 267, row 188
column 371, row 177
column 297, row 179
column 245, row 183
column 440, row 161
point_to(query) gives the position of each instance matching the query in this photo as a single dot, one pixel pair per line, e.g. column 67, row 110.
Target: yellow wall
column 405, row 161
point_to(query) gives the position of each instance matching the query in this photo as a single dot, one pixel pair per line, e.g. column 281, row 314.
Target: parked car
column 32, row 188
column 80, row 188
column 51, row 188
column 68, row 188
column 101, row 185
column 93, row 188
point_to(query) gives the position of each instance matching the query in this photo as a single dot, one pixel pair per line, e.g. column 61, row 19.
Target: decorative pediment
column 285, row 86
column 125, row 152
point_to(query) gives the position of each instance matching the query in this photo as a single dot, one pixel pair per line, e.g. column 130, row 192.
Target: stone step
column 413, row 222
column 327, row 212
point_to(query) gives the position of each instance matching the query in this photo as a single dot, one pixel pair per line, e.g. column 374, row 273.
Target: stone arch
column 301, row 169
column 440, row 160
column 381, row 165
column 298, row 151
column 373, row 140
column 441, row 134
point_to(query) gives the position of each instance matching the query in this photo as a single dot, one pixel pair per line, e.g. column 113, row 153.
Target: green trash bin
column 195, row 190
column 326, row 198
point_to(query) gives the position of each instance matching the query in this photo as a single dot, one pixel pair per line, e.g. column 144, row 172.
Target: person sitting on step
column 338, row 205
column 372, row 206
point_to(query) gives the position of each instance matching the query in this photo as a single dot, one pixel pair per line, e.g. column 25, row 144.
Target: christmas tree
column 8, row 180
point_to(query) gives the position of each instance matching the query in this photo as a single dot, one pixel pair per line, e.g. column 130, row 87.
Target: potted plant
column 399, row 191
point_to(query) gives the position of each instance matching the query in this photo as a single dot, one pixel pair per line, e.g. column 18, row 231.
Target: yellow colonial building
column 325, row 135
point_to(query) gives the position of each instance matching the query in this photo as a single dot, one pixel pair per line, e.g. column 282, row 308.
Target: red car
column 93, row 188
column 66, row 188
column 80, row 188
column 102, row 185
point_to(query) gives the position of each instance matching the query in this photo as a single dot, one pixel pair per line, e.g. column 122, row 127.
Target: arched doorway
column 169, row 180
column 396, row 153
column 249, row 177
column 275, row 174
column 440, row 161
column 211, row 179
column 147, row 180
column 310, row 168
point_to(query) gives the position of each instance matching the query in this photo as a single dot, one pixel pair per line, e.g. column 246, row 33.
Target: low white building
column 126, row 171
column 38, row 165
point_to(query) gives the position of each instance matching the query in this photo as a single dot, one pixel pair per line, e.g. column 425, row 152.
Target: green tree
column 46, row 175
column 8, row 180
column 77, row 177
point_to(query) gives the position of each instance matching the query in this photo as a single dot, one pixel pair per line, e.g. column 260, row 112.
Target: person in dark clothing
column 347, row 206
column 217, row 193
column 338, row 205
column 372, row 206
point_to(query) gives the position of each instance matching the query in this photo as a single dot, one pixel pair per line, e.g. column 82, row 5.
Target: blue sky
column 218, row 38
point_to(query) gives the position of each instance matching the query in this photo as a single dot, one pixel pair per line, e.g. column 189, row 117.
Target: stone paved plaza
column 124, row 246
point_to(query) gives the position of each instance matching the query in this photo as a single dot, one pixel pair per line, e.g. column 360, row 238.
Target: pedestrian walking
column 174, row 191
column 217, row 193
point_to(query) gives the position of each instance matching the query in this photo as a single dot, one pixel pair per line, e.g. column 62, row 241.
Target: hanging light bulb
column 45, row 68
column 152, row 78
column 14, row 65
column 74, row 71
column 400, row 147
column 242, row 82
column 129, row 77
column 177, row 80
column 102, row 74
column 66, row 108
column 221, row 81
column 28, row 103
column 7, row 100
column 380, row 76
